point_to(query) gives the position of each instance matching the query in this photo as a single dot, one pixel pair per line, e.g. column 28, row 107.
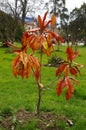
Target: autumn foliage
column 68, row 69
column 40, row 38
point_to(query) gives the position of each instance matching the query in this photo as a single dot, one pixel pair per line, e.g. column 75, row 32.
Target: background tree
column 11, row 27
column 58, row 5
column 17, row 8
column 7, row 28
column 77, row 25
column 64, row 16
column 55, row 7
column 21, row 8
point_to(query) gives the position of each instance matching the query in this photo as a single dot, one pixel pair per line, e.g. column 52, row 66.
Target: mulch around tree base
column 45, row 121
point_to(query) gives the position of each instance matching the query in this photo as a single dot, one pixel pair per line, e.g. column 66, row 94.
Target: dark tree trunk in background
column 24, row 7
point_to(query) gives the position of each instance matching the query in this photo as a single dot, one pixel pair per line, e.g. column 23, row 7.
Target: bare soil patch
column 45, row 121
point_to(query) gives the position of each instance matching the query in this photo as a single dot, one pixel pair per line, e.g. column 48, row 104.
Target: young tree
column 25, row 64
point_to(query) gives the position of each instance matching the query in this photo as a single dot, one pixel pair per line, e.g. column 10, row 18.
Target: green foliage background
column 10, row 28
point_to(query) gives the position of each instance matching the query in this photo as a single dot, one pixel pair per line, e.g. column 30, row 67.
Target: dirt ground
column 45, row 121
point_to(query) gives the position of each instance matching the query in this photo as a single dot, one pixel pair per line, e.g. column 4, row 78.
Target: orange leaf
column 40, row 22
column 45, row 16
column 49, row 39
column 23, row 64
column 34, row 45
column 35, row 65
column 24, row 39
column 57, row 37
column 23, row 58
column 37, row 42
column 66, row 70
column 53, row 21
column 20, row 65
column 16, row 61
column 31, row 38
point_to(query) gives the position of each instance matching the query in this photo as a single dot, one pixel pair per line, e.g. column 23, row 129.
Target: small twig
column 70, row 123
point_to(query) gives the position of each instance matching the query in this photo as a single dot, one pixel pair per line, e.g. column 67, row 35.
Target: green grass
column 16, row 93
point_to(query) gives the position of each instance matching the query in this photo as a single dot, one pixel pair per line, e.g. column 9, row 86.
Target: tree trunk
column 24, row 5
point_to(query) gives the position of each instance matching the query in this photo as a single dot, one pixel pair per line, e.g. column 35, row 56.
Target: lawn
column 16, row 93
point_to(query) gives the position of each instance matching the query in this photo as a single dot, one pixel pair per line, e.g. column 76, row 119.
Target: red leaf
column 78, row 71
column 71, row 55
column 69, row 52
column 66, row 82
column 61, row 84
column 70, row 90
column 60, row 69
column 73, row 71
column 49, row 39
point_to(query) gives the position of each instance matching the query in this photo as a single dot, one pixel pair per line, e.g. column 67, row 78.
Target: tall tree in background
column 77, row 24
column 11, row 28
column 64, row 21
column 58, row 5
column 24, row 9
column 58, row 9
column 17, row 8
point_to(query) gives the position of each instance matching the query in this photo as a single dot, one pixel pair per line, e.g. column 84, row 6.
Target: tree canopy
column 10, row 29
column 77, row 24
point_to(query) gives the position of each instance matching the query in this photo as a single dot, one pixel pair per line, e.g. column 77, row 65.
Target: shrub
column 55, row 61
